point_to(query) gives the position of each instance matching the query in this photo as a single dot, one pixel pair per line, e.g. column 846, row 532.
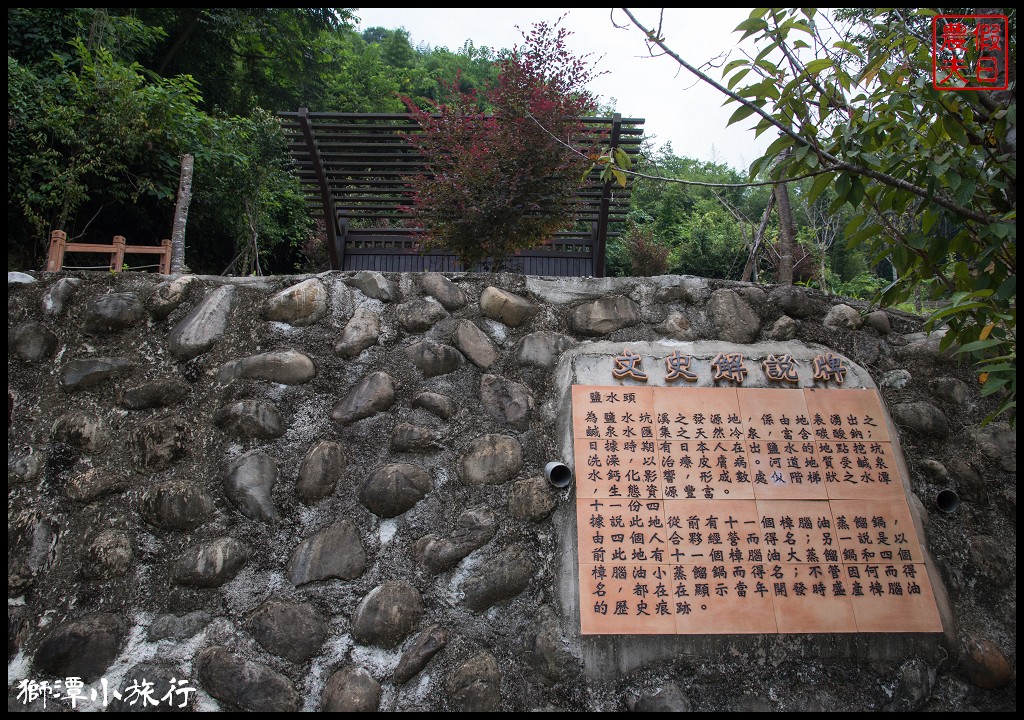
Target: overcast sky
column 677, row 107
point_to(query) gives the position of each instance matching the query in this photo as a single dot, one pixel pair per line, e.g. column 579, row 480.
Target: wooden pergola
column 354, row 166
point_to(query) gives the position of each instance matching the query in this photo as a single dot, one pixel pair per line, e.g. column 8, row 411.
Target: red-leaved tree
column 496, row 183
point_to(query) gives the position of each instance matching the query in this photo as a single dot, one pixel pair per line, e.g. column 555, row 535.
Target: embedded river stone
column 170, row 295
column 373, row 394
column 549, row 655
column 866, row 349
column 676, row 325
column 733, row 318
column 843, row 317
column 993, row 559
column 178, row 627
column 110, row 313
column 300, row 305
column 670, row 698
column 896, row 379
column 244, row 683
column 84, row 374
column 441, row 405
column 203, row 326
column 287, row 367
column 392, row 489
column 793, row 300
column 542, row 348
column 320, row 470
column 351, row 689
column 82, row 648
column 420, row 314
column 922, row 417
column 450, row 295
column 211, row 564
column 434, row 359
column 475, row 345
column 294, row 631
column 251, row 418
column 531, row 499
column 177, row 505
column 424, row 646
column 998, row 442
column 755, row 296
column 387, row 614
column 506, row 307
column 503, row 577
column 333, row 552
column 159, row 443
column 783, row 329
column 605, row 315
column 109, row 555
column 474, row 529
column 955, row 392
column 92, row 483
column 984, row 663
column 690, row 291
column 249, row 483
column 24, row 464
column 361, row 332
column 85, row 430
column 154, row 394
column 373, row 285
column 413, row 438
column 491, row 460
column 475, row 685
column 31, row 341
column 54, row 299
column 878, row 320
column 506, row 401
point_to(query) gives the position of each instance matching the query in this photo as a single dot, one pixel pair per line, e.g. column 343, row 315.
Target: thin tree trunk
column 787, row 235
column 750, row 270
column 181, row 215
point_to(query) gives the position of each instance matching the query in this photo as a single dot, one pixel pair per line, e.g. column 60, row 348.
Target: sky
column 677, row 107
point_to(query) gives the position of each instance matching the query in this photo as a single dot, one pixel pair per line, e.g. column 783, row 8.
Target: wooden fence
column 59, row 246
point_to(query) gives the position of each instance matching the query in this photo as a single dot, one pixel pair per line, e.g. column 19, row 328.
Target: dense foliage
column 927, row 172
column 102, row 104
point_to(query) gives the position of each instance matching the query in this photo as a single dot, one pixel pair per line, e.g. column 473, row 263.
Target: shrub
column 496, row 184
column 645, row 256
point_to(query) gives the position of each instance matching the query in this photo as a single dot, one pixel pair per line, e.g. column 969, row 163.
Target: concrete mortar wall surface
column 326, row 493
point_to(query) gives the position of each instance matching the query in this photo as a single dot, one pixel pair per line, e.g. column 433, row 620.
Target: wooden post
column 601, row 237
column 335, row 249
column 165, row 259
column 55, row 259
column 181, row 215
column 117, row 257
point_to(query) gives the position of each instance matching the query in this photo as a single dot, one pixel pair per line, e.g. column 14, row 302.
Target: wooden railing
column 59, row 245
column 354, row 168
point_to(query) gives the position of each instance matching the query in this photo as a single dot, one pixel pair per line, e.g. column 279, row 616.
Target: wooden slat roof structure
column 353, row 168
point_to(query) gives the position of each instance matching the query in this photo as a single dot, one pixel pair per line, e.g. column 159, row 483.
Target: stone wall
column 326, row 492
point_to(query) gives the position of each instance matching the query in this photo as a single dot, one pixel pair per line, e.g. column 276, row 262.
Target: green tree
column 95, row 141
column 707, row 229
column 244, row 58
column 858, row 107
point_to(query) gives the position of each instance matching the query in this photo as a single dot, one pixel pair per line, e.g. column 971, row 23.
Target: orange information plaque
column 741, row 510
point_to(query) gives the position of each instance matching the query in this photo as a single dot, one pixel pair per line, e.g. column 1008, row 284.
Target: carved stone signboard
column 743, row 510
